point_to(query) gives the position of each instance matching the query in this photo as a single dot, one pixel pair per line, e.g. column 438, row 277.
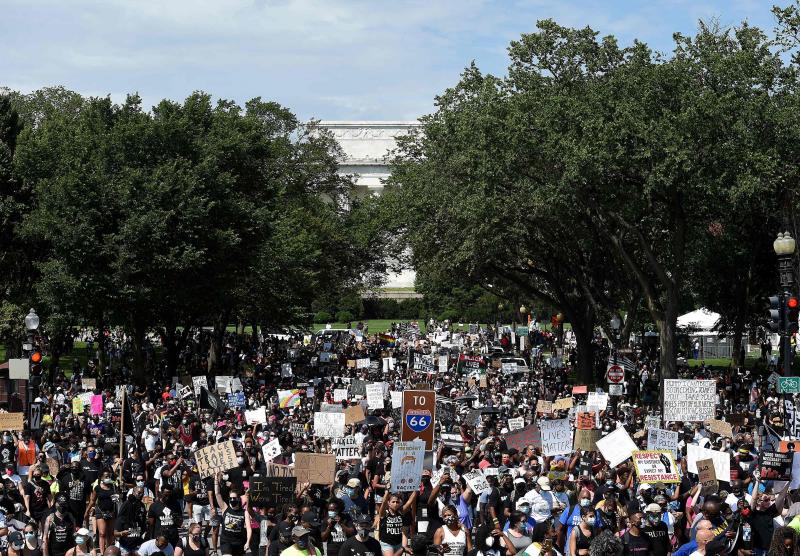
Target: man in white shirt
column 159, row 544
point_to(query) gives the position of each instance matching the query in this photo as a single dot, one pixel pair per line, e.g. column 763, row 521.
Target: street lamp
column 784, row 246
column 615, row 325
column 32, row 320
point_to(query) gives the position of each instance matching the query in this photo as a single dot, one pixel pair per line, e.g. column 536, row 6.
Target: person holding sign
column 394, row 522
column 235, row 529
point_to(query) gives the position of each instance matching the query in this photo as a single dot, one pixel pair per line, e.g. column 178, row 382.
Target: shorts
column 201, row 514
column 386, row 547
column 232, row 549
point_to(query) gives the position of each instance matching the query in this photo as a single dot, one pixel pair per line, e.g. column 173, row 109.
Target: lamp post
column 784, row 246
column 615, row 323
column 31, row 325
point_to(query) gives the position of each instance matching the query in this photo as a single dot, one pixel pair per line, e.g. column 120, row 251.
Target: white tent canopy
column 701, row 321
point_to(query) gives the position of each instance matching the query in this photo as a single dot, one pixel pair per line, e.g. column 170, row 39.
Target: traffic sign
column 789, row 384
column 419, row 414
column 615, row 374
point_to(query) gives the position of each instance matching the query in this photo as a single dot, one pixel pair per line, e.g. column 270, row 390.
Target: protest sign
column 288, row 398
column 544, row 407
column 722, row 461
column 11, row 422
column 455, row 440
column 662, row 439
column 19, row 369
column 317, row 469
column 375, row 395
column 354, row 414
column 407, row 461
column 775, row 466
column 655, row 466
column 522, row 438
column 271, row 491
column 223, row 384
column 197, row 383
column 562, row 403
column 477, row 482
column 216, row 458
column 652, row 422
column 516, row 423
column 616, row 446
column 77, row 406
column 358, row 387
column 397, row 398
column 616, row 390
column 580, row 389
column 96, row 407
column 278, row 470
column 418, row 416
column 331, row 408
column 237, row 400
column 185, row 392
column 689, row 400
column 271, row 450
column 329, row 425
column 52, row 466
column 585, row 420
column 598, row 400
column 708, row 476
column 586, row 440
column 339, row 395
column 556, row 437
column 346, row 448
column 89, row 383
column 508, row 367
column 256, row 416
column 720, row 427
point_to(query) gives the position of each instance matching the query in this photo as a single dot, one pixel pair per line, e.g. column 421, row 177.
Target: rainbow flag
column 289, row 398
column 387, row 340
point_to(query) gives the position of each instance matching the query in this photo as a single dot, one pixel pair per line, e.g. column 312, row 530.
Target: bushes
column 344, row 316
column 323, row 317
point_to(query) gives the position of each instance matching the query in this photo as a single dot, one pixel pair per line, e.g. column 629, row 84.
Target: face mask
column 196, row 538
column 654, row 518
column 642, row 523
column 526, row 510
column 362, row 533
column 302, row 544
column 240, row 460
column 61, row 507
column 349, row 491
column 30, row 537
column 140, row 484
column 90, row 454
column 590, row 521
column 234, row 503
column 585, row 502
column 332, row 514
column 449, row 520
column 108, row 481
column 80, row 540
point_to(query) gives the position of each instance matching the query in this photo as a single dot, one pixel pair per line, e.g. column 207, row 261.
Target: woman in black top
column 194, row 544
column 59, row 529
column 338, row 527
column 582, row 535
column 235, row 530
column 105, row 509
column 131, row 523
column 393, row 526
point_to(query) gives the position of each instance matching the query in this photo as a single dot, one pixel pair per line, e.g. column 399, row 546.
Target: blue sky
column 327, row 59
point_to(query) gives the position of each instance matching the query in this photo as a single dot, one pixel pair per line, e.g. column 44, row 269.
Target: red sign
column 419, row 414
column 615, row 374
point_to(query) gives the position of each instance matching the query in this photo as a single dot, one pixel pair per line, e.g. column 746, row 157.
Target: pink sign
column 97, row 404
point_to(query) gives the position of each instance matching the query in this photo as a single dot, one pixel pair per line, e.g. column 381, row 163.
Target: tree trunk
column 137, row 338
column 666, row 337
column 172, row 350
column 217, row 339
column 101, row 345
column 585, row 366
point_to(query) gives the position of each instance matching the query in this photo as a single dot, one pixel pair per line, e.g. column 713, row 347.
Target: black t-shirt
column 636, row 545
column 659, row 535
column 176, row 480
column 338, row 535
column 74, row 485
column 763, row 526
column 37, row 492
column 91, row 471
column 167, row 520
column 200, row 487
column 8, row 452
column 391, row 528
column 132, row 518
column 354, row 547
column 233, row 528
column 61, row 534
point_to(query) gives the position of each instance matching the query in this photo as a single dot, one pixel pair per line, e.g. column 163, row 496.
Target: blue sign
column 418, row 419
column 237, row 400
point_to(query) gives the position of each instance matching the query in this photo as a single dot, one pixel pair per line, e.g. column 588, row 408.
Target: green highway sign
column 789, row 385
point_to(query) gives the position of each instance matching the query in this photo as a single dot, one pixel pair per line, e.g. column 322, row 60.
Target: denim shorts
column 386, row 547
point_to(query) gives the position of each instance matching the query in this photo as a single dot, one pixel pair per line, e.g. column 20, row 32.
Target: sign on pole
column 419, row 413
column 615, row 374
column 789, row 385
column 689, row 400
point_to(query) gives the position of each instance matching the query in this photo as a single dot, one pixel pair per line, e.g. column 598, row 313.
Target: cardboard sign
column 418, row 417
column 271, row 450
column 375, row 395
column 77, row 406
column 256, row 416
column 516, row 423
column 354, row 414
column 689, row 400
column 563, row 403
column 407, row 461
column 346, row 448
column 271, row 491
column 216, row 458
column 720, row 427
column 585, row 420
column 88, row 383
column 339, row 395
column 11, row 422
column 556, row 437
column 655, row 466
column 278, row 470
column 527, row 436
column 329, row 425
column 722, row 461
column 616, row 446
column 52, row 466
column 477, row 482
column 662, row 439
column 317, row 469
column 544, row 407
column 708, row 477
column 587, row 440
column 775, row 466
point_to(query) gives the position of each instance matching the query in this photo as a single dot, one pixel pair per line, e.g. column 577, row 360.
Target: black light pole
column 615, row 324
column 784, row 246
column 31, row 325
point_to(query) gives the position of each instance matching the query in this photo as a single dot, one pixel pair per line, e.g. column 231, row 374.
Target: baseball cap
column 300, row 531
column 543, row 482
column 653, row 509
column 364, row 521
column 284, row 529
column 310, row 517
column 83, row 532
column 353, row 483
column 16, row 540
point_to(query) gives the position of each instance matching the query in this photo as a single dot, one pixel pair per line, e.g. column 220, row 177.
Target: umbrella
column 372, row 420
column 466, row 398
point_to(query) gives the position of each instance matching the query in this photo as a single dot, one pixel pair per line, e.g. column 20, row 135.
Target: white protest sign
column 442, row 363
column 185, row 392
column 286, row 370
column 256, row 416
column 598, row 400
column 310, row 392
column 689, row 400
column 722, row 461
column 616, row 390
column 328, row 425
column 407, row 461
column 437, row 475
column 662, row 439
column 197, row 382
column 339, row 395
column 271, row 450
column 616, row 446
column 556, row 437
column 363, row 363
column 397, row 398
column 516, row 423
column 477, row 482
column 388, row 364
column 346, row 448
column 375, row 395
column 224, row 383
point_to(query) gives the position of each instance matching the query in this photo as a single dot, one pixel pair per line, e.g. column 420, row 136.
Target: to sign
column 615, row 374
column 419, row 412
column 789, row 385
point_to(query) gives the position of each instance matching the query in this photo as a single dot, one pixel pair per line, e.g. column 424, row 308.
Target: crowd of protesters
column 84, row 482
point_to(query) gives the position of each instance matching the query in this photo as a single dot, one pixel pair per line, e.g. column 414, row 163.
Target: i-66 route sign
column 419, row 413
column 789, row 385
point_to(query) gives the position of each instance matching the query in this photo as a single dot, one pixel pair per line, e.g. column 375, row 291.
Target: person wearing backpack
column 636, row 543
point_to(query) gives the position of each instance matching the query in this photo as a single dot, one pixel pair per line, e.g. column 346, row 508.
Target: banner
column 288, row 398
column 316, row 469
column 407, row 461
column 216, row 458
column 689, row 400
column 328, row 425
column 346, row 448
column 375, row 395
column 271, row 491
column 556, row 437
column 471, row 364
column 655, row 466
column 616, row 446
column 775, row 466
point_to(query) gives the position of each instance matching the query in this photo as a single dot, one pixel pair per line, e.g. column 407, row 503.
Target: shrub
column 344, row 316
column 323, row 317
